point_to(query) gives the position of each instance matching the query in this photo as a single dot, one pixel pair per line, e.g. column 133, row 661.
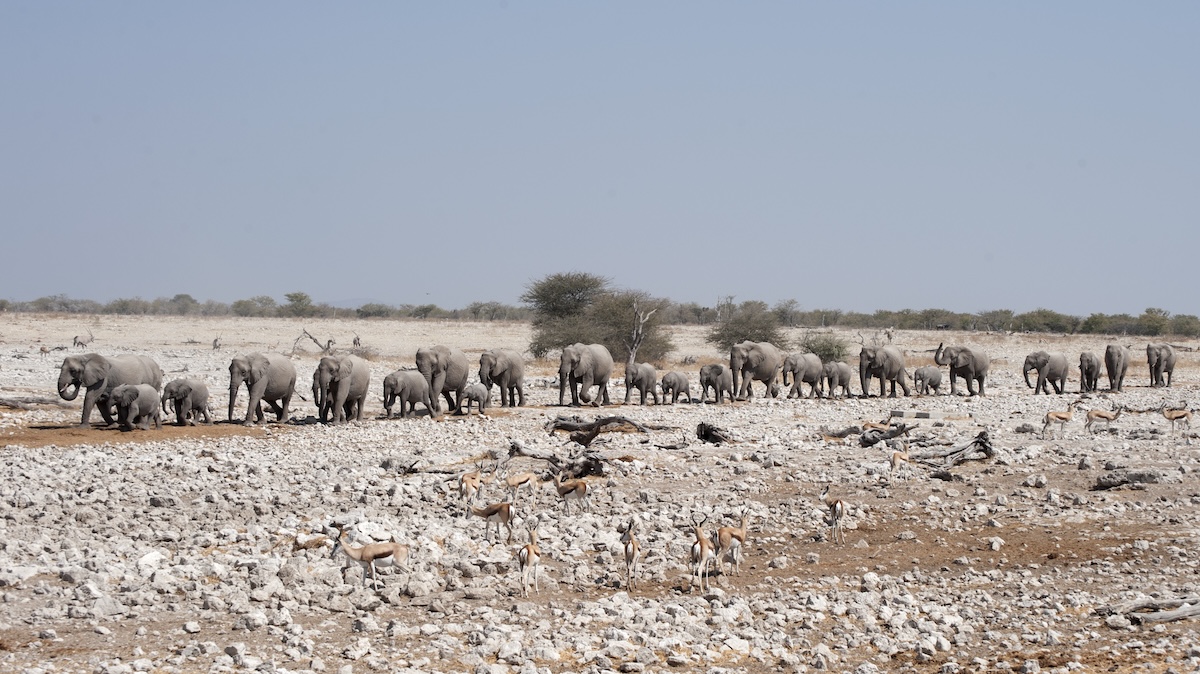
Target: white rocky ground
column 206, row 549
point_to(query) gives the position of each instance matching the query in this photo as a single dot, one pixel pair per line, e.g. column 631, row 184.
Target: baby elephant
column 477, row 393
column 720, row 378
column 189, row 397
column 928, row 377
column 407, row 386
column 676, row 383
column 136, row 403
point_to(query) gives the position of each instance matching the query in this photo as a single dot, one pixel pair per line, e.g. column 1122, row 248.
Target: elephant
column 1051, row 367
column 928, row 377
column 269, row 378
column 581, row 366
column 409, row 387
column 340, row 385
column 676, row 383
column 478, row 394
column 642, row 377
column 445, row 371
column 100, row 375
column 136, row 403
column 1089, row 371
column 970, row 364
column 190, row 400
column 837, row 375
column 507, row 369
column 755, row 361
column 886, row 363
column 805, row 368
column 1116, row 362
column 720, row 378
column 1161, row 359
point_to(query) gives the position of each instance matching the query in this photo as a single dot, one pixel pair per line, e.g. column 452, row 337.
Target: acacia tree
column 751, row 320
column 580, row 307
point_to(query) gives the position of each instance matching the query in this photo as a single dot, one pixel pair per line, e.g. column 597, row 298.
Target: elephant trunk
column 937, row 356
column 165, row 398
column 233, row 391
column 1025, row 371
column 863, row 378
column 564, row 371
column 66, row 381
column 735, row 366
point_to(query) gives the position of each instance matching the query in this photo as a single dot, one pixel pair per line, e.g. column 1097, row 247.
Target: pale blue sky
column 967, row 156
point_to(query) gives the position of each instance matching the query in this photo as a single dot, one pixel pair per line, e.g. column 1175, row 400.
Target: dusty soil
column 1066, row 549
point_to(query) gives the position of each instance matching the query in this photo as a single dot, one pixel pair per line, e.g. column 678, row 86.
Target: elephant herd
column 129, row 385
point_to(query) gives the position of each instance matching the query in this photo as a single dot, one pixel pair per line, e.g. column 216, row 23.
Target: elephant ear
column 755, row 357
column 345, row 369
column 95, row 371
column 258, row 368
column 183, row 390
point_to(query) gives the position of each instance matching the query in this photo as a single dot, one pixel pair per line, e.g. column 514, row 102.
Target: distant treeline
column 1150, row 322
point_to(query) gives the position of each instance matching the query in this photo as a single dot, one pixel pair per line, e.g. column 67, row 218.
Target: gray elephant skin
column 970, row 364
column 1161, row 359
column 137, row 404
column 641, row 377
column 475, row 393
column 340, row 385
column 505, row 368
column 1052, row 368
column 407, row 386
column 926, row 378
column 1089, row 372
column 269, row 378
column 99, row 375
column 837, row 375
column 189, row 398
column 720, row 378
column 676, row 384
column 581, row 366
column 805, row 368
column 445, row 371
column 755, row 361
column 1116, row 363
column 887, row 364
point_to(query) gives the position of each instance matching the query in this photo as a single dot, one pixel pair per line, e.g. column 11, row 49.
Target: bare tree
column 639, row 333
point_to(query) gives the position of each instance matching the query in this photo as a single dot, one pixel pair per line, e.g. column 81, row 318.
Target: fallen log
column 584, row 432
column 978, row 449
column 590, row 463
column 874, row 436
column 1160, row 610
column 714, row 434
column 30, row 402
column 842, row 434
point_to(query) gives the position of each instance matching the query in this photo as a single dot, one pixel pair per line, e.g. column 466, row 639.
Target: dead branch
column 978, row 449
column 584, row 432
column 327, row 348
column 713, row 434
column 1160, row 610
column 842, row 434
column 639, row 332
column 874, row 436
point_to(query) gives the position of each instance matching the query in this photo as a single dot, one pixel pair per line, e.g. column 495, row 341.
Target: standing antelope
column 729, row 544
column 528, row 557
column 470, row 485
column 82, row 341
column 572, row 490
column 632, row 551
column 515, row 483
column 1183, row 415
column 837, row 510
column 1060, row 418
column 1102, row 415
column 497, row 513
column 702, row 551
column 371, row 555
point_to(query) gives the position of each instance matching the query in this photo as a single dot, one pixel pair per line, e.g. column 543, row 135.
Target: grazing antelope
column 632, row 551
column 528, row 557
column 515, row 483
column 371, row 555
column 1102, row 415
column 1060, row 418
column 899, row 459
column 729, row 544
column 1183, row 415
column 497, row 513
column 572, row 490
column 702, row 551
column 837, row 510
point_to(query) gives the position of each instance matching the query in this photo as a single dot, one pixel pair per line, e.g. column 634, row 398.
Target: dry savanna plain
column 210, row 548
